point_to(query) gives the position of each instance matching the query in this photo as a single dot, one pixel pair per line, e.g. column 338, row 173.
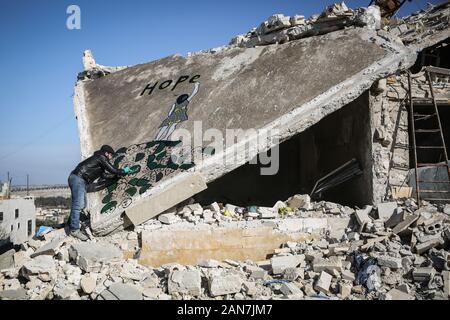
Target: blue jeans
column 78, row 188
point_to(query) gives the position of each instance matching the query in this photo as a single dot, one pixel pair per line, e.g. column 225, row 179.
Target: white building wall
column 22, row 226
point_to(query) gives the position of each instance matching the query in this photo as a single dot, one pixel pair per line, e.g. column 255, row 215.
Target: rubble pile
column 417, row 26
column 410, row 30
column 393, row 251
column 280, row 29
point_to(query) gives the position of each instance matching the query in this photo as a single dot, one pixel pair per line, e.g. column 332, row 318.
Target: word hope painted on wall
column 168, row 83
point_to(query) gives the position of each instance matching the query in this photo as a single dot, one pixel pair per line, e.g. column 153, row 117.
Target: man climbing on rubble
column 82, row 176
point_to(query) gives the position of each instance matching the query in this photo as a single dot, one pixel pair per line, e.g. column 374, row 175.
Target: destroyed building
column 339, row 219
column 329, row 92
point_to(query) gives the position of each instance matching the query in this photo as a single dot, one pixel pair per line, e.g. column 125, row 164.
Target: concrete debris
column 324, row 282
column 406, row 260
column 121, row 291
column 185, row 282
column 223, row 284
column 91, row 256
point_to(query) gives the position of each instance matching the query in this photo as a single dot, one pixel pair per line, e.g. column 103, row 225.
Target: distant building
column 17, row 219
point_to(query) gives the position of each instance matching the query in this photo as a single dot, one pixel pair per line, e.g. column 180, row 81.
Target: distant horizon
column 38, row 130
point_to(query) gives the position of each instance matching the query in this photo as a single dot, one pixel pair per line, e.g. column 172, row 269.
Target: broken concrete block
column 402, row 226
column 18, row 294
column 447, row 209
column 293, row 274
column 7, row 259
column 290, row 288
column 185, row 282
column 209, row 263
column 389, row 262
column 300, row 201
column 222, row 284
column 446, row 278
column 424, row 247
column 279, row 264
column 345, row 290
column 362, row 216
column 386, row 210
column 20, row 258
column 169, row 197
column 91, row 256
column 329, row 265
column 250, row 288
column 324, row 282
column 267, row 213
column 39, row 266
column 88, row 283
column 120, row 291
column 168, row 218
column 49, row 248
column 396, row 294
column 214, row 207
column 423, row 274
column 395, row 219
column 348, row 275
column 259, row 274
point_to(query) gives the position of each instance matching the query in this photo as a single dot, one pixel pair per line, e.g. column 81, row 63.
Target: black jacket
column 94, row 167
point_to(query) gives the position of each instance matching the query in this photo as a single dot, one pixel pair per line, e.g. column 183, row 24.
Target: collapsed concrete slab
column 275, row 91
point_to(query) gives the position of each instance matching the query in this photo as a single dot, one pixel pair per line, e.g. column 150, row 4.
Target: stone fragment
column 362, row 216
column 298, row 201
column 329, row 265
column 396, row 294
column 348, row 275
column 168, row 218
column 210, row 263
column 324, row 282
column 91, row 256
column 17, row 294
column 423, row 274
column 345, row 290
column 290, row 288
column 395, row 219
column 389, row 262
column 293, row 274
column 120, row 291
column 40, row 266
column 185, row 282
column 250, row 288
column 49, row 248
column 424, row 247
column 152, row 293
column 267, row 213
column 259, row 274
column 222, row 284
column 386, row 210
column 214, row 207
column 88, row 283
column 402, row 226
column 446, row 278
column 20, row 258
column 279, row 264
column 7, row 260
column 65, row 292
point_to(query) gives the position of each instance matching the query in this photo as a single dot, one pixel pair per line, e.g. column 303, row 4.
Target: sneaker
column 79, row 235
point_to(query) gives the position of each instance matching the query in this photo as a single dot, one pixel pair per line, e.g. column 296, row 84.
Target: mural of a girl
column 177, row 114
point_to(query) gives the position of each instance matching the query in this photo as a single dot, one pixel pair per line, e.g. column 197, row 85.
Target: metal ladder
column 414, row 118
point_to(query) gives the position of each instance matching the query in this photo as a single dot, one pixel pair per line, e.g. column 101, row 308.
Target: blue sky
column 40, row 58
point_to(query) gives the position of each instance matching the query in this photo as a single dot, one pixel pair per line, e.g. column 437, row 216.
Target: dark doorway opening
column 305, row 158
